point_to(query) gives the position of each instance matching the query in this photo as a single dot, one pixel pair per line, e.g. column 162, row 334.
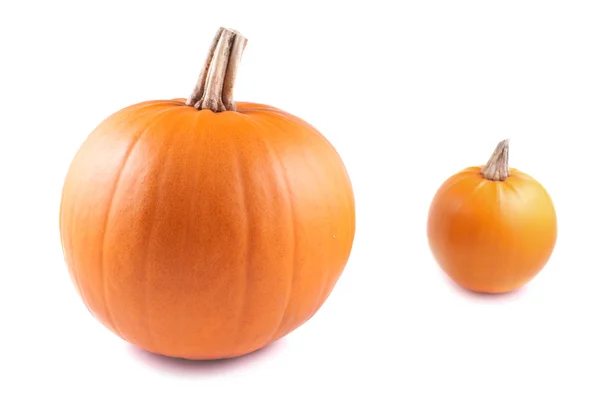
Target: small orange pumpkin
column 492, row 228
column 206, row 229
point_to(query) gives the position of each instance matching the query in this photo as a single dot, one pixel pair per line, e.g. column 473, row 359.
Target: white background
column 409, row 92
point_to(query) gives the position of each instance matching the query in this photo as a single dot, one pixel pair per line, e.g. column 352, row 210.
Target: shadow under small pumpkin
column 204, row 228
column 493, row 228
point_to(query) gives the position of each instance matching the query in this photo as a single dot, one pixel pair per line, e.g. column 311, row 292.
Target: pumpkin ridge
column 291, row 210
column 513, row 189
column 349, row 201
column 284, row 179
column 457, row 179
column 136, row 111
column 328, row 275
column 326, row 280
column 275, row 160
column 292, row 119
column 524, row 176
column 329, row 281
column 496, row 212
column 65, row 238
column 474, row 191
column 247, row 239
column 74, row 271
column 114, row 190
column 196, row 144
column 145, row 268
column 459, row 207
column 452, row 185
column 151, row 233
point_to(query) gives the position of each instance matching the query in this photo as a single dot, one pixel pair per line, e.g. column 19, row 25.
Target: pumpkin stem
column 497, row 168
column 214, row 90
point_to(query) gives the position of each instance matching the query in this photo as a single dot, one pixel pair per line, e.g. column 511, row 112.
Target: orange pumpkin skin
column 491, row 236
column 205, row 235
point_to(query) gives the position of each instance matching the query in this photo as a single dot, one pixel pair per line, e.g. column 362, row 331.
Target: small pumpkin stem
column 497, row 168
column 214, row 89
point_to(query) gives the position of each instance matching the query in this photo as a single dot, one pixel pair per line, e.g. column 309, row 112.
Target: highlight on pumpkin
column 205, row 228
column 492, row 228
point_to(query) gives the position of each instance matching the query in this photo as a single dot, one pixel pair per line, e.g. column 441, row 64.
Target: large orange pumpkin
column 206, row 229
column 492, row 228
